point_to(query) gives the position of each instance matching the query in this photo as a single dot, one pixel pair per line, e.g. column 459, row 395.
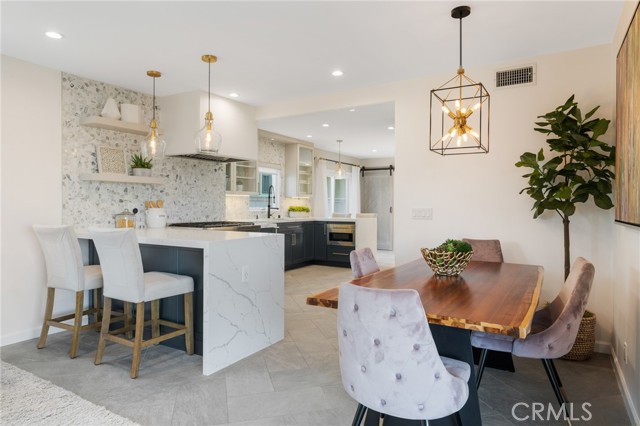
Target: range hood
column 182, row 115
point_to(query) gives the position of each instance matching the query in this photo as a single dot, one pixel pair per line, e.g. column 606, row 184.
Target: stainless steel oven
column 341, row 234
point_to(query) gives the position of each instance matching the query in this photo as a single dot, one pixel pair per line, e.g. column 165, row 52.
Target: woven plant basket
column 586, row 339
column 446, row 262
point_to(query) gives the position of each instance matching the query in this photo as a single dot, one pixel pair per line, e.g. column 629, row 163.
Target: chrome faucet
column 272, row 190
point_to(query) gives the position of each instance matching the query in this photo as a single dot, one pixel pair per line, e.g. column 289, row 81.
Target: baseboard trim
column 32, row 333
column 624, row 389
column 602, row 347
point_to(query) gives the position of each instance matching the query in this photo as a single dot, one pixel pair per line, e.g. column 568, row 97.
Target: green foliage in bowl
column 454, row 246
column 299, row 209
column 139, row 162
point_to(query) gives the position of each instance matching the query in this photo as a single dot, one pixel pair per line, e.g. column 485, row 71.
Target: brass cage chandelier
column 459, row 110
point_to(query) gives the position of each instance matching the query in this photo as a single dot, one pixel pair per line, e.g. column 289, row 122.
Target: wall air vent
column 519, row 76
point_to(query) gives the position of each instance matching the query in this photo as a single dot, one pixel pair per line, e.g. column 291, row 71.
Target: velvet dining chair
column 485, row 250
column 389, row 362
column 553, row 331
column 363, row 262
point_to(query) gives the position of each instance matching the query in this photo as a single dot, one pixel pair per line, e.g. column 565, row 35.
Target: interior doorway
column 377, row 197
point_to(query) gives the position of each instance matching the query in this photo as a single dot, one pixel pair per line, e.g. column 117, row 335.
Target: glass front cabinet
column 241, row 177
column 298, row 170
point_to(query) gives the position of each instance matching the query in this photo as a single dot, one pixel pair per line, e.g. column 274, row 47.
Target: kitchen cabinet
column 329, row 254
column 298, row 243
column 298, row 164
column 320, row 241
column 183, row 114
column 241, row 177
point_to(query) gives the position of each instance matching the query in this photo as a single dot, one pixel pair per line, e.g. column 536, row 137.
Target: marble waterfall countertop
column 242, row 288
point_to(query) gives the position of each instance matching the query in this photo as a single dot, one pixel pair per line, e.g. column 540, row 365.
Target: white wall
column 31, row 192
column 477, row 195
column 626, row 286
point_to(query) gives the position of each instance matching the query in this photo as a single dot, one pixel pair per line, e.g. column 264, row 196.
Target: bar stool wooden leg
column 48, row 311
column 97, row 297
column 137, row 340
column 127, row 319
column 77, row 323
column 188, row 322
column 155, row 318
column 106, row 319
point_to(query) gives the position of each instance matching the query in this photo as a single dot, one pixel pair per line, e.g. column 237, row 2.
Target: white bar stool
column 125, row 279
column 63, row 260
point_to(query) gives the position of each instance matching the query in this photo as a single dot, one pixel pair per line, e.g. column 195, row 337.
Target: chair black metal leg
column 481, row 362
column 555, row 372
column 423, row 423
column 360, row 411
column 551, row 374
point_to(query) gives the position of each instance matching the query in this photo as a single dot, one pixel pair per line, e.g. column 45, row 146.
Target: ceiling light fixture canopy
column 152, row 147
column 207, row 138
column 339, row 158
column 459, row 118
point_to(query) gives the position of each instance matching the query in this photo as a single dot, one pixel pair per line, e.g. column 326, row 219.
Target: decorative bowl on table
column 449, row 258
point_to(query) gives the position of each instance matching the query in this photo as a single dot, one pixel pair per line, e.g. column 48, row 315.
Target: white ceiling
column 276, row 51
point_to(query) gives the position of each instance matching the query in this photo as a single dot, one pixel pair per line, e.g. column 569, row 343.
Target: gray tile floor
column 294, row 382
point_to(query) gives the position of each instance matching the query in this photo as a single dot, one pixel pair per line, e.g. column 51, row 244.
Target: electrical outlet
column 625, row 356
column 245, row 274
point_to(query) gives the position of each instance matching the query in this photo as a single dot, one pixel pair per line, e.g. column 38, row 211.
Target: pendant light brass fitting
column 154, row 74
column 210, row 59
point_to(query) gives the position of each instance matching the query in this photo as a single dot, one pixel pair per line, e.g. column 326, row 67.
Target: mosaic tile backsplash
column 193, row 189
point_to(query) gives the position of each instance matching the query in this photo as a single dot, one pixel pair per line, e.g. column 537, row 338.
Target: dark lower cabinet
column 339, row 254
column 320, row 241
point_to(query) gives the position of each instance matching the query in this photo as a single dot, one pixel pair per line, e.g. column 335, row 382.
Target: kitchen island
column 239, row 286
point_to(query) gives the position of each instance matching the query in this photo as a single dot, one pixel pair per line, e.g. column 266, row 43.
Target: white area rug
column 26, row 399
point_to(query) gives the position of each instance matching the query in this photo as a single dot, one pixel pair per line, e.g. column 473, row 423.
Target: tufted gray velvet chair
column 388, row 359
column 486, row 250
column 363, row 262
column 554, row 327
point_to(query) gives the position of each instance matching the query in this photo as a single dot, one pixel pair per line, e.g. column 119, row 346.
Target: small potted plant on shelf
column 299, row 211
column 140, row 165
column 449, row 258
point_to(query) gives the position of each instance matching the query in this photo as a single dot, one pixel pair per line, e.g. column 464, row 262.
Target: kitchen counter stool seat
column 125, row 280
column 65, row 271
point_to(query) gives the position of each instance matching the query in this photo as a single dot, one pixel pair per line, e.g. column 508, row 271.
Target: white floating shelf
column 119, row 177
column 111, row 124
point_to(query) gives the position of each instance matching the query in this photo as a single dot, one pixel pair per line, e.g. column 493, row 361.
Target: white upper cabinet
column 182, row 115
column 298, row 162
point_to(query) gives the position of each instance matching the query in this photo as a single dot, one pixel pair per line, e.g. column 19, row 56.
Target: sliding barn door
column 377, row 197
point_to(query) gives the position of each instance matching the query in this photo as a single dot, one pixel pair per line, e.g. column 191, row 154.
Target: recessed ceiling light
column 272, row 139
column 233, row 95
column 309, row 136
column 352, row 110
column 53, row 34
column 325, row 125
column 337, row 73
column 374, row 150
column 390, row 128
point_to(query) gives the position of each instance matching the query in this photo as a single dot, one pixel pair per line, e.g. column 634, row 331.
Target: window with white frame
column 267, row 176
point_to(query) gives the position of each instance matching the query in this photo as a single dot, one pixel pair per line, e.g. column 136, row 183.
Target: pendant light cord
column 460, row 41
column 209, row 86
column 154, row 98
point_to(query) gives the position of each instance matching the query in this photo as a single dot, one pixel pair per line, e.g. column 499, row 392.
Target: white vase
column 138, row 171
column 110, row 109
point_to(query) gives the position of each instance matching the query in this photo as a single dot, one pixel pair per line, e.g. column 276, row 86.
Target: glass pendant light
column 207, row 139
column 339, row 159
column 459, row 110
column 153, row 146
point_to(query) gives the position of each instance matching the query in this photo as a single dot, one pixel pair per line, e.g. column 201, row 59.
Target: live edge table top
column 487, row 296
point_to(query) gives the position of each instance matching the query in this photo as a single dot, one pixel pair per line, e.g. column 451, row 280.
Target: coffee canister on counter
column 126, row 219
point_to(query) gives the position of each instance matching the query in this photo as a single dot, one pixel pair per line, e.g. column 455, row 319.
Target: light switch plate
column 422, row 213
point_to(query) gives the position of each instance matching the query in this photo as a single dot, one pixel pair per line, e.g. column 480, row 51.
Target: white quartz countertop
column 184, row 237
column 301, row 219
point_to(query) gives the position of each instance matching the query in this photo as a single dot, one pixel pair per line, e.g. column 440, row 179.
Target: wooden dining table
column 487, row 296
